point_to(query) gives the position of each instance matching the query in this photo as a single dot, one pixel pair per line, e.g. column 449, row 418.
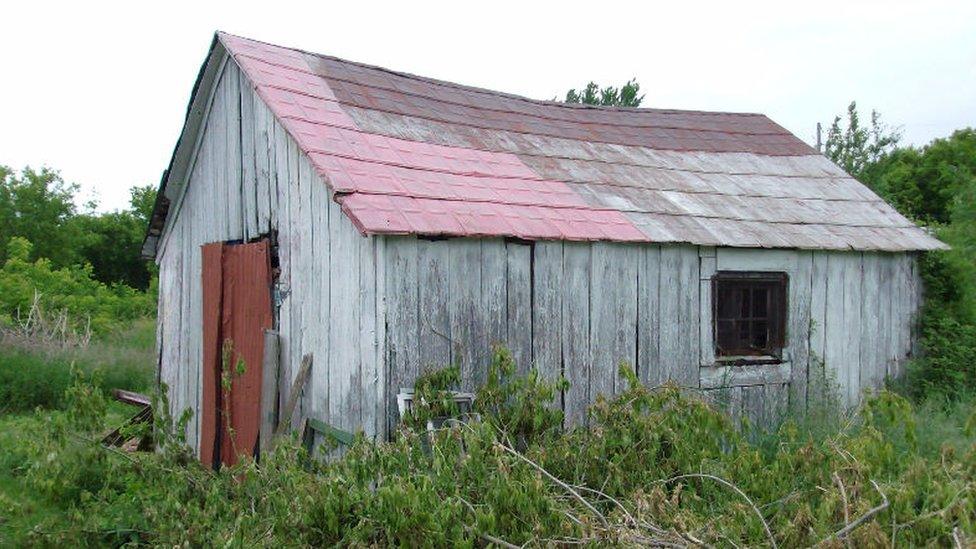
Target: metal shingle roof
column 411, row 155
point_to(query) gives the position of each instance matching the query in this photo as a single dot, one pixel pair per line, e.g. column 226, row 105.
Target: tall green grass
column 37, row 374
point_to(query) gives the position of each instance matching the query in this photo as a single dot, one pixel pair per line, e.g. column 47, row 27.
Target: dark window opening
column 749, row 309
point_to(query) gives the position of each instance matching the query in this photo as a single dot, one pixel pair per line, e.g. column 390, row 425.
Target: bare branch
column 568, row 488
column 722, row 481
column 843, row 496
column 860, row 520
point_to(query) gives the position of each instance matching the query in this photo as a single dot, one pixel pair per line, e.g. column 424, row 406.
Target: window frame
column 777, row 317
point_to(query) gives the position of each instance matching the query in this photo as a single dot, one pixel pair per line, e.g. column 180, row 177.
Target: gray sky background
column 99, row 90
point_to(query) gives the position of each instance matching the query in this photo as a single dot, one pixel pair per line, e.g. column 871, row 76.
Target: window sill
column 743, row 375
column 748, row 359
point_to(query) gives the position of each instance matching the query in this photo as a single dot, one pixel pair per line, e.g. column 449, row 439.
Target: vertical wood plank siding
column 591, row 306
column 248, row 179
column 376, row 311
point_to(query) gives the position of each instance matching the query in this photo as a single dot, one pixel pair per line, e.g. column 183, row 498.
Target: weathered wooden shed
column 384, row 222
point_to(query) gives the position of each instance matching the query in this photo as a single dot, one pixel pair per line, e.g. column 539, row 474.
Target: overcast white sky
column 99, row 90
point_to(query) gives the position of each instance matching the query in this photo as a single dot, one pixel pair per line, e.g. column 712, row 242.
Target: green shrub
column 936, row 184
column 33, row 287
column 948, row 319
column 653, row 466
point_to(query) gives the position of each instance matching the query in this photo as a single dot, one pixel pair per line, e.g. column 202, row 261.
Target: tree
column 141, row 200
column 38, row 205
column 855, row 147
column 112, row 241
column 592, row 94
column 927, row 183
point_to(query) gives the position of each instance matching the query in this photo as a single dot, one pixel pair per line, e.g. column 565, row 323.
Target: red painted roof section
column 411, row 155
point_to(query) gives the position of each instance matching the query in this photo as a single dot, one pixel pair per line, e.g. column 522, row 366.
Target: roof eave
column 174, row 176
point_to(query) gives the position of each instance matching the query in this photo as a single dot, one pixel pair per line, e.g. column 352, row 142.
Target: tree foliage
column 934, row 185
column 928, row 183
column 627, row 95
column 31, row 288
column 112, row 241
column 40, row 207
column 855, row 147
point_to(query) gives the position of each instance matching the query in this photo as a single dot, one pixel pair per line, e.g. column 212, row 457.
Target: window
column 750, row 314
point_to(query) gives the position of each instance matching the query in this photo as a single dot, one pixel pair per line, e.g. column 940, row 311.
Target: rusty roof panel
column 411, row 155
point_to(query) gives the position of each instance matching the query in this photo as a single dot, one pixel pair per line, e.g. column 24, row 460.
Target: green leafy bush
column 948, row 319
column 933, row 185
column 654, row 466
column 35, row 288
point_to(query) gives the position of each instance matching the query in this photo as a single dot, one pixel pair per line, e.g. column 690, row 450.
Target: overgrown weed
column 34, row 373
column 653, row 466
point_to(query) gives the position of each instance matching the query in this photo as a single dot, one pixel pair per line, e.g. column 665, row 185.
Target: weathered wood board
column 376, row 310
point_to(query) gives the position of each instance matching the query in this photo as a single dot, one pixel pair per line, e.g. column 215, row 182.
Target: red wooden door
column 236, row 311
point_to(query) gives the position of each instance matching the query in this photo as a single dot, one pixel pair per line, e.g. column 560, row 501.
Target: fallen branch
column 860, row 520
column 722, row 481
column 497, row 541
column 568, row 488
column 626, row 513
column 633, row 520
column 843, row 497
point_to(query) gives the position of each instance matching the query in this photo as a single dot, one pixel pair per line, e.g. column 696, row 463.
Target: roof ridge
column 498, row 93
